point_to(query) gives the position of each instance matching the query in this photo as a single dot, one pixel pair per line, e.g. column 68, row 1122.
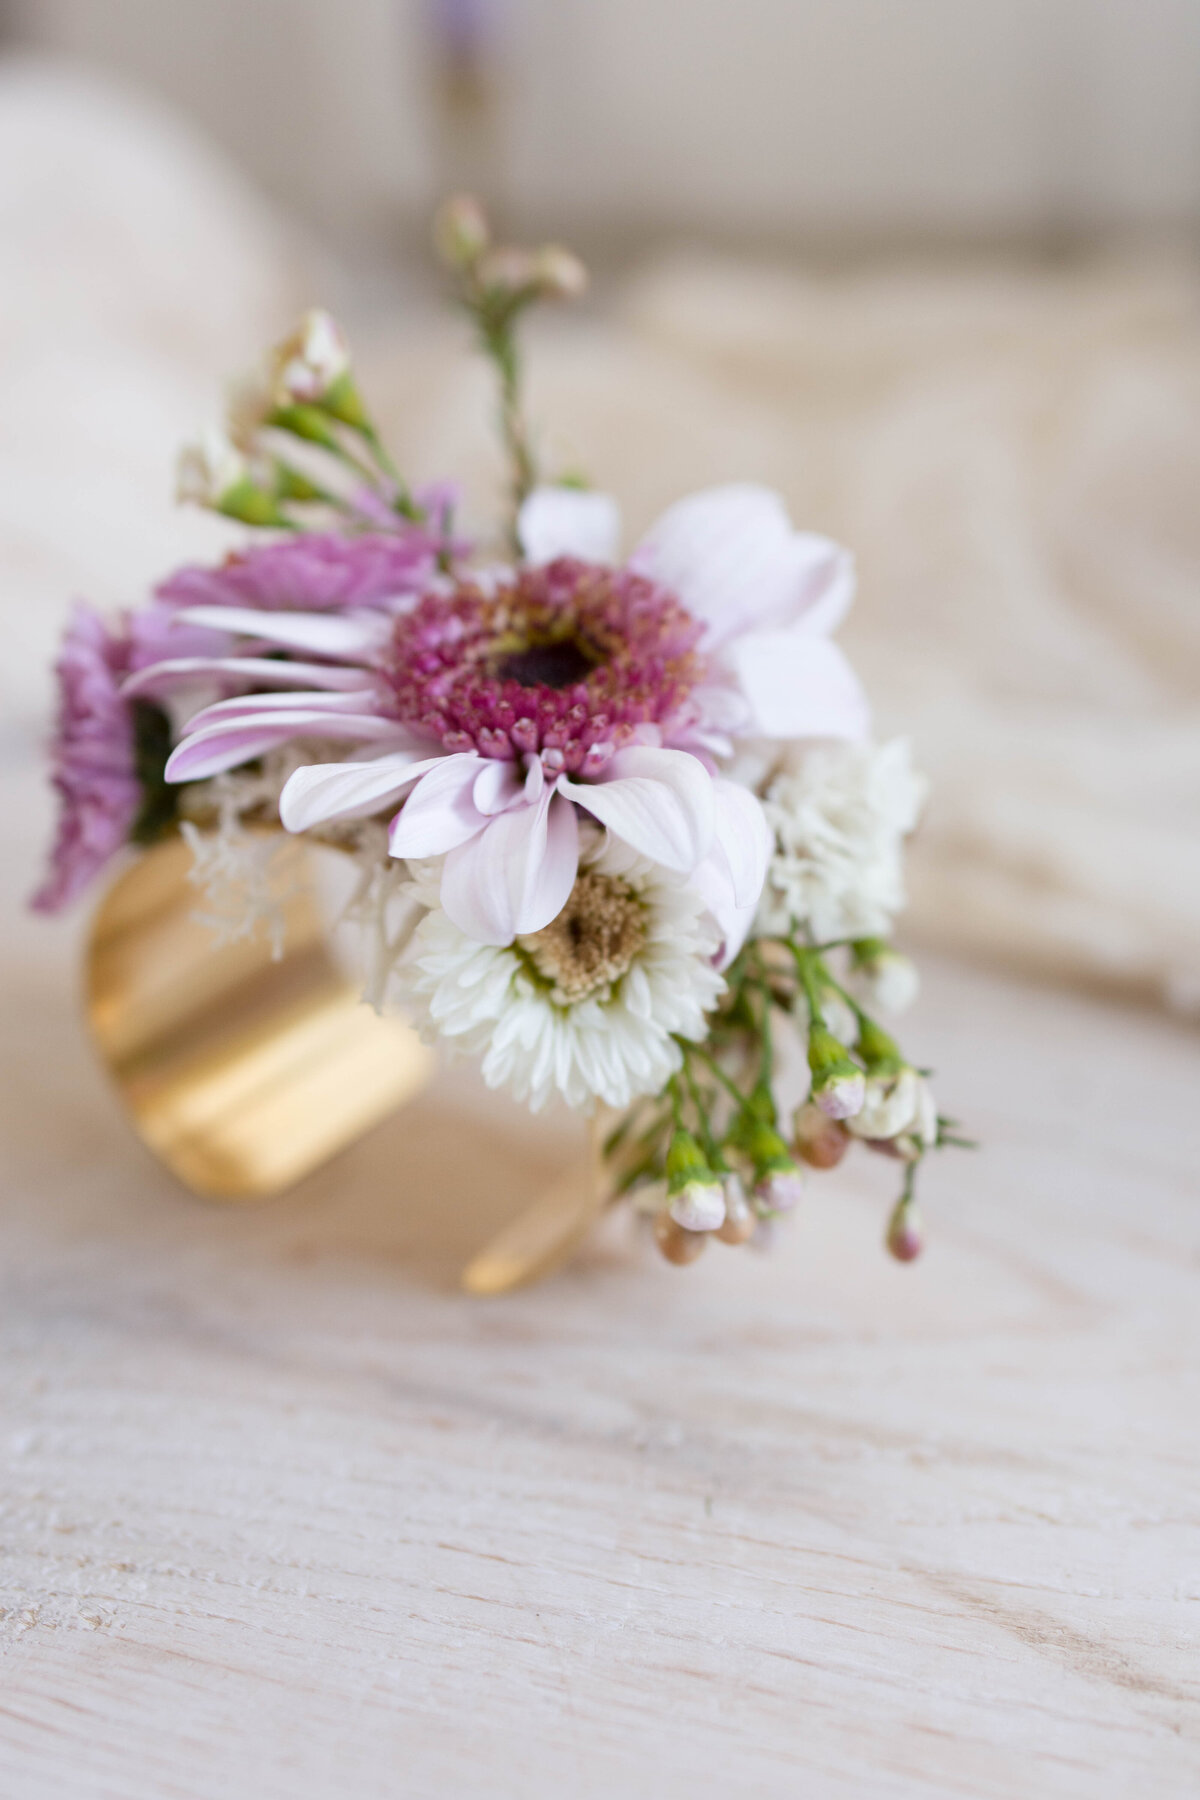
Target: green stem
column 404, row 503
column 495, row 319
column 706, row 1136
column 767, row 1065
column 711, row 1063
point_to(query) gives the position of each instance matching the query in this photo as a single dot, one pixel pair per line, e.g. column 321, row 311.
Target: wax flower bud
column 904, row 1238
column 884, row 977
column 508, row 271
column 897, row 1103
column 311, row 362
column 460, row 231
column 695, row 1196
column 778, row 1181
column 208, row 469
column 214, row 473
column 838, row 1084
column 817, row 1139
column 739, row 1222
column 675, row 1242
column 559, row 274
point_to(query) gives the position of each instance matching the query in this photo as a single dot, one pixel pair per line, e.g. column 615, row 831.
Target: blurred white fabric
column 137, row 272
column 1014, row 454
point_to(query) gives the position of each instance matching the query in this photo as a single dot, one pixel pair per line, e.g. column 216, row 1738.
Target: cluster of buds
column 701, row 1202
column 706, row 1197
column 735, row 1182
column 884, row 979
column 464, row 241
column 496, row 283
column 866, row 1090
column 297, row 435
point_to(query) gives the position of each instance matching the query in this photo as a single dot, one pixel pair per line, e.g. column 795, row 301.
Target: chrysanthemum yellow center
column 593, row 941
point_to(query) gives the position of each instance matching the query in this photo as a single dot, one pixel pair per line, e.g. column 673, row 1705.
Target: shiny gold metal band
column 244, row 1073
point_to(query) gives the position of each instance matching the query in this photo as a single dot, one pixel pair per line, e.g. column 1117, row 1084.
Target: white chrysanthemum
column 840, row 814
column 586, row 1007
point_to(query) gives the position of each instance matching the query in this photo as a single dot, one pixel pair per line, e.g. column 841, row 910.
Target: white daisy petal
column 516, row 875
column 839, row 814
column 348, row 790
column 799, row 686
column 659, row 802
column 246, row 706
column 267, row 671
column 733, row 558
column 325, row 634
column 562, row 521
column 615, row 1041
column 440, row 813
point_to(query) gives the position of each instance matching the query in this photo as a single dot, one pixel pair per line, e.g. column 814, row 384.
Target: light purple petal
column 742, row 838
column 232, row 741
column 224, row 747
column 349, row 790
column 712, row 882
column 730, row 878
column 732, row 557
column 516, row 875
column 659, row 802
column 256, row 671
column 561, row 521
column 440, row 813
column 799, row 686
column 265, row 706
column 324, row 634
column 498, row 786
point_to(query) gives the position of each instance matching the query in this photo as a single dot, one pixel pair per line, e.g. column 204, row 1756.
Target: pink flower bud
column 559, row 273
column 740, row 1219
column 887, row 980
column 779, row 1190
column 904, row 1237
column 306, row 364
column 677, row 1244
column 841, row 1095
column 506, row 269
column 460, row 231
column 208, row 469
column 698, row 1206
column 817, row 1139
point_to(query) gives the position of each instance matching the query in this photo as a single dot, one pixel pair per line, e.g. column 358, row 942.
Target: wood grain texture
column 286, row 1516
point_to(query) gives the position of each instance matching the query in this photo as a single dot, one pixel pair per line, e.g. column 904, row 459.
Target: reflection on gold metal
column 541, row 1238
column 243, row 1074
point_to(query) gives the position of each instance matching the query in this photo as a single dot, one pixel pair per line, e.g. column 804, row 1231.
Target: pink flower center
column 565, row 661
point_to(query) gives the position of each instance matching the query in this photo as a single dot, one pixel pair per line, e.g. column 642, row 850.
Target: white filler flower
column 585, row 1007
column 840, row 814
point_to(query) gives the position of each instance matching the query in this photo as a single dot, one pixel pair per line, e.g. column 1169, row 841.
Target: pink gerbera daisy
column 497, row 707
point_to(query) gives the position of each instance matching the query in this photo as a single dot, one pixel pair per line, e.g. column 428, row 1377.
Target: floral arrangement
column 620, row 828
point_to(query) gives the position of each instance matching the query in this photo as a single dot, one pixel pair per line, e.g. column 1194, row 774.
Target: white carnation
column 840, row 815
column 585, row 1008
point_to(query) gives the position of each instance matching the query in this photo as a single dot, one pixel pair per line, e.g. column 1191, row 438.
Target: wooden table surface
column 285, row 1517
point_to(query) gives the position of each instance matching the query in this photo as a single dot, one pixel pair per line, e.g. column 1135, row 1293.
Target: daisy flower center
column 564, row 662
column 595, row 939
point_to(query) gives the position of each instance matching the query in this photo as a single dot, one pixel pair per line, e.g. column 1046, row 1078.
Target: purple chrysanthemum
column 94, row 759
column 313, row 572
